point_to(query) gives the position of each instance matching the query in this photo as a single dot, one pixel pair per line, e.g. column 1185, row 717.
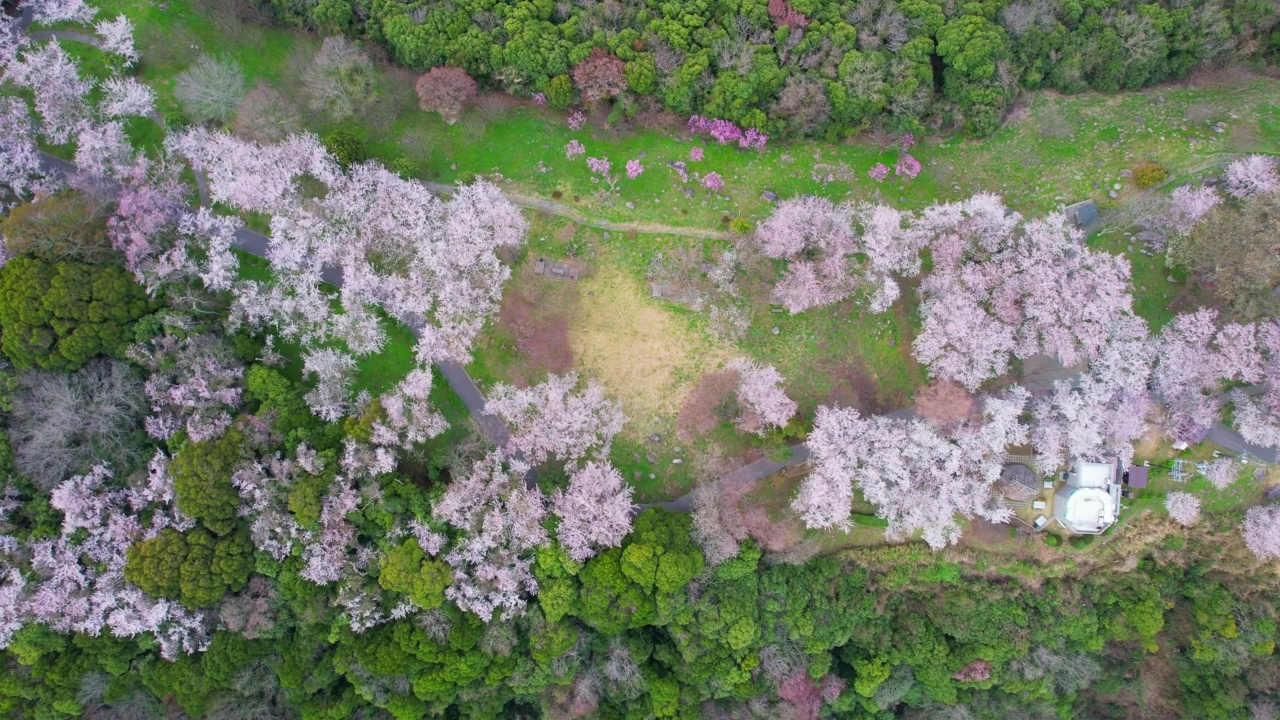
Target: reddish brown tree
column 599, row 76
column 445, row 90
column 782, row 14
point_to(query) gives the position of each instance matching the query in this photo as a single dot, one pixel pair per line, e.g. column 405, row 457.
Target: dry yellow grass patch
column 645, row 355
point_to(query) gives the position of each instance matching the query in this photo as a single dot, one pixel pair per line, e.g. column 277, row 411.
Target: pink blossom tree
column 595, row 511
column 763, row 402
column 408, row 418
column 574, row 149
column 1261, row 530
column 54, row 11
column 193, row 384
column 325, row 555
column 1222, row 472
column 117, row 39
column 1090, row 421
column 1252, row 175
column 713, row 182
column 1196, row 357
column 126, row 97
column 60, row 93
column 20, row 173
column 553, row 420
column 634, row 168
column 920, row 476
column 1188, row 204
column 500, row 524
column 1183, row 508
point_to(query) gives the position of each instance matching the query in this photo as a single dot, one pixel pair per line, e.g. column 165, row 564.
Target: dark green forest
column 807, row 67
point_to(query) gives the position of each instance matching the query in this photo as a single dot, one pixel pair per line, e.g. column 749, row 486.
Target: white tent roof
column 1086, row 509
column 1093, row 475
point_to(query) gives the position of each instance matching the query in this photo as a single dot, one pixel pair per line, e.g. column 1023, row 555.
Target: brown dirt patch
column 541, row 337
column 853, row 388
column 701, row 411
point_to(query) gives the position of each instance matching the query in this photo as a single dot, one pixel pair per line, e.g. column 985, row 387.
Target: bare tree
column 267, row 116
column 340, row 79
column 210, row 89
column 64, row 423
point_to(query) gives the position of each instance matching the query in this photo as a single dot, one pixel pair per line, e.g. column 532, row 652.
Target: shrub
column 1052, row 540
column 346, row 148
column 1082, row 542
column 559, row 92
column 741, row 226
column 404, row 167
column 211, row 89
column 1147, row 175
column 445, row 90
column 57, row 316
column 175, row 120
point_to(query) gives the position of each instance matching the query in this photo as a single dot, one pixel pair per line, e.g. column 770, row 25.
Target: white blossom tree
column 1196, row 357
column 126, row 97
column 594, row 512
column 193, row 384
column 763, row 403
column 1188, row 204
column 60, row 93
column 1261, row 530
column 54, row 11
column 1183, row 507
column 499, row 522
column 919, row 476
column 330, row 399
column 553, row 420
column 20, row 173
column 117, row 39
column 1252, row 175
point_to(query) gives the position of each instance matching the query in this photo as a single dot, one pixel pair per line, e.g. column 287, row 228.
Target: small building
column 1089, row 502
column 1018, row 482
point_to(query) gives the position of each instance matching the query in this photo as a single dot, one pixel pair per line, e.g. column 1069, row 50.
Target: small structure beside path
column 1085, row 216
column 673, row 293
column 551, row 268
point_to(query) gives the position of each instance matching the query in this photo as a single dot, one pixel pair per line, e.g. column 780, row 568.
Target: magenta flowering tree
column 713, row 182
column 906, row 142
column 907, row 167
column 574, row 149
column 634, row 168
column 599, row 166
column 753, row 139
column 695, row 153
column 879, row 173
column 918, row 474
column 681, row 169
column 576, row 120
column 540, row 99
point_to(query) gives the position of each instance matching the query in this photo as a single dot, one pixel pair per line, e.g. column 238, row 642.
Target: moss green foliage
column 1147, row 175
column 346, row 148
column 202, row 481
column 155, row 565
column 59, row 315
column 214, row 566
column 406, row 569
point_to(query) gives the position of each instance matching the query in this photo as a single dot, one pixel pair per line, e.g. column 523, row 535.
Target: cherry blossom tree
column 330, row 399
column 1252, row 175
column 552, row 420
column 408, row 418
column 193, row 384
column 103, row 150
column 764, row 403
column 1183, row 507
column 54, row 11
column 1003, row 288
column 1257, row 412
column 76, row 580
column 1222, row 472
column 1261, row 530
column 60, row 93
column 263, row 487
column 117, row 39
column 499, row 524
column 1090, row 420
column 595, row 511
column 1188, row 204
column 325, row 555
column 20, row 173
column 445, row 90
column 919, row 475
column 126, row 97
column 1195, row 358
